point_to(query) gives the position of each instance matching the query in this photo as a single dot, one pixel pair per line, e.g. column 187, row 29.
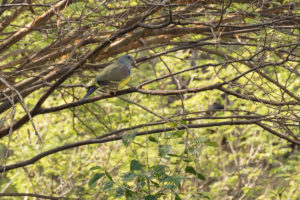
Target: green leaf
column 135, row 165
column 193, row 150
column 128, row 194
column 150, row 197
column 275, row 170
column 201, row 177
column 176, row 134
column 203, row 195
column 94, row 179
column 210, row 143
column 155, row 184
column 173, row 155
column 107, row 185
column 176, row 180
column 173, row 179
column 128, row 176
column 152, row 139
column 94, row 168
column 163, row 150
column 108, row 176
column 169, row 186
column 158, row 170
column 190, row 170
column 184, row 122
column 140, row 182
column 120, row 191
column 177, row 197
column 128, row 138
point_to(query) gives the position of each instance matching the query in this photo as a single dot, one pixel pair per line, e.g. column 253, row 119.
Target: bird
column 114, row 76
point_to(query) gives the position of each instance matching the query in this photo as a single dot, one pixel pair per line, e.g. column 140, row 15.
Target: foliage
column 211, row 112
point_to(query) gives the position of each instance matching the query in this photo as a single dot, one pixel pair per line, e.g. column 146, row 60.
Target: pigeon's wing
column 115, row 72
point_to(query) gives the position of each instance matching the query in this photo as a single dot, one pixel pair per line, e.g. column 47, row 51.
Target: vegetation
column 211, row 112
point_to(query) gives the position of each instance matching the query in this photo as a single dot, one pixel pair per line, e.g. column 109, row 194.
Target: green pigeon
column 114, row 76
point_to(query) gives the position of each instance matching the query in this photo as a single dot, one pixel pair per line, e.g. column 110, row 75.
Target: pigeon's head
column 127, row 60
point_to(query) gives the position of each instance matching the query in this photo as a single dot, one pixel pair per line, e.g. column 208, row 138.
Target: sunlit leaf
column 128, row 176
column 163, row 150
column 128, row 138
column 158, row 170
column 210, row 143
column 107, row 185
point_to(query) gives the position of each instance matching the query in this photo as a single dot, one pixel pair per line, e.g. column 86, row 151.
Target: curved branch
column 101, row 141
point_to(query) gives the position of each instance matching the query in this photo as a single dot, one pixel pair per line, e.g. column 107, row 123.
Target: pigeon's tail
column 90, row 90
